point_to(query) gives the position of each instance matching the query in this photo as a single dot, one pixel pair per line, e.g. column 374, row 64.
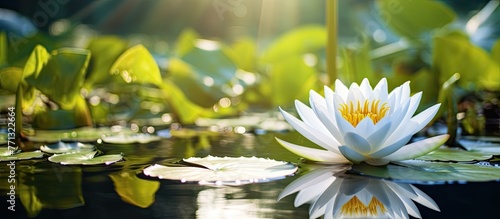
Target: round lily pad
column 85, row 158
column 454, row 154
column 67, row 147
column 481, row 145
column 85, row 134
column 130, row 138
column 7, row 155
column 223, row 170
column 417, row 171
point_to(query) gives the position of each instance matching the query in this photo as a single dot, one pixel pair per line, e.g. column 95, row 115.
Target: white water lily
column 362, row 124
column 355, row 196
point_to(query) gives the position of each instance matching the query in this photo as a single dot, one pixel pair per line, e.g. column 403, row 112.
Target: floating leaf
column 454, row 154
column 85, row 158
column 130, row 138
column 67, row 147
column 480, row 146
column 85, row 134
column 223, row 170
column 431, row 172
column 6, row 155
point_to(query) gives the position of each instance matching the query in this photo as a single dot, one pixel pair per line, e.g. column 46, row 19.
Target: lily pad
column 130, row 139
column 455, row 154
column 223, row 170
column 9, row 155
column 85, row 134
column 481, row 146
column 67, row 147
column 415, row 171
column 85, row 158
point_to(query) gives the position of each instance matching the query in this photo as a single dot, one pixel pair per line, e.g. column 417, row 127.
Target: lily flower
column 362, row 124
column 340, row 196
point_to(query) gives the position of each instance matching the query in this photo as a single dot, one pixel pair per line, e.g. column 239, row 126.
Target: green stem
column 331, row 47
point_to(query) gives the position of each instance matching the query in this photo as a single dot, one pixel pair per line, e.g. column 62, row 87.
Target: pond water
column 120, row 190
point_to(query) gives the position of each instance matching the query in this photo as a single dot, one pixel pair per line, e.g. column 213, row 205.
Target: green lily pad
column 223, row 170
column 84, row 134
column 454, row 154
column 67, row 147
column 416, row 171
column 7, row 155
column 481, row 146
column 130, row 138
column 85, row 158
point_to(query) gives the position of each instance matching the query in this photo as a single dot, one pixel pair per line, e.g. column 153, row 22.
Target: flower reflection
column 336, row 195
column 362, row 124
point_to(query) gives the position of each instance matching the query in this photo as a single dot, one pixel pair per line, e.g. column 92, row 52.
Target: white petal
column 418, row 148
column 377, row 161
column 313, row 154
column 330, row 194
column 352, row 186
column 381, row 91
column 426, row 116
column 425, row 200
column 366, row 88
column 306, row 181
column 380, row 134
column 358, row 143
column 351, row 154
column 402, row 133
column 355, row 94
column 365, row 127
column 309, row 132
column 312, row 193
column 343, row 125
column 329, row 122
column 387, row 150
column 309, row 117
column 341, row 89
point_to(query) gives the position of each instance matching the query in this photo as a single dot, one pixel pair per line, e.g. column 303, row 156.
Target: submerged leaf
column 223, row 170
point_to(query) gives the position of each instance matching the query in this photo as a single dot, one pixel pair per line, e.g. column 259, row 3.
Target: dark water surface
column 48, row 190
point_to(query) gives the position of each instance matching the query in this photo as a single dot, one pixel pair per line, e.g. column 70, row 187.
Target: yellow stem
column 331, row 47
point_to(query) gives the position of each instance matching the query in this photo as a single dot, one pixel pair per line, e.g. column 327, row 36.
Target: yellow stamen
column 355, row 207
column 369, row 108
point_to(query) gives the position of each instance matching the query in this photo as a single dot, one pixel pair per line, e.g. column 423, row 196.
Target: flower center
column 355, row 207
column 355, row 113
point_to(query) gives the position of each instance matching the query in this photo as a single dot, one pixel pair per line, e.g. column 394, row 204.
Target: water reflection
column 133, row 190
column 50, row 187
column 336, row 195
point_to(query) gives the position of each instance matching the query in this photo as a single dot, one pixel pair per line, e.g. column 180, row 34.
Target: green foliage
column 454, row 53
column 65, row 70
column 137, row 65
column 413, row 18
column 301, row 40
column 105, row 51
column 291, row 79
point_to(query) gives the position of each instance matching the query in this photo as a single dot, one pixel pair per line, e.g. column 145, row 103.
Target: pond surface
column 49, row 190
